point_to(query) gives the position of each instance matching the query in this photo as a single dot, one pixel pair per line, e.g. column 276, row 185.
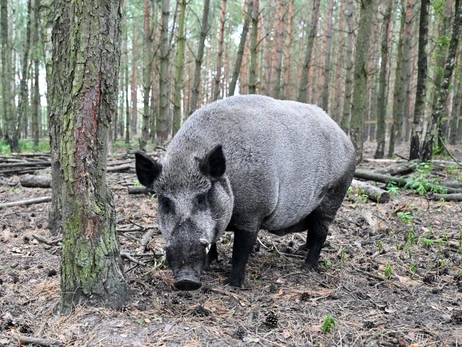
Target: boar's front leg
column 212, row 255
column 243, row 244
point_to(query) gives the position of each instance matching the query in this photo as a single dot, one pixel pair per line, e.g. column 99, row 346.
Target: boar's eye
column 200, row 202
column 166, row 205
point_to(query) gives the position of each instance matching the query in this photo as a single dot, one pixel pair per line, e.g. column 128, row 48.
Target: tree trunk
column 421, row 89
column 346, row 115
column 402, row 77
column 36, row 111
column 134, row 85
column 287, row 83
column 23, row 90
column 179, row 69
column 162, row 124
column 254, row 48
column 442, row 89
column 199, row 57
column 221, row 39
column 382, row 97
column 281, row 13
column 456, row 105
column 83, row 97
column 327, row 54
column 7, row 86
column 311, row 36
column 240, row 51
column 126, row 85
column 147, row 66
column 358, row 107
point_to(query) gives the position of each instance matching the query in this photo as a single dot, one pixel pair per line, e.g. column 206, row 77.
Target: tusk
column 206, row 244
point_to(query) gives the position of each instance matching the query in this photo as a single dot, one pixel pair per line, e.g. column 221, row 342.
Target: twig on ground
column 447, row 151
column 48, row 242
column 145, row 239
column 224, row 292
column 133, row 260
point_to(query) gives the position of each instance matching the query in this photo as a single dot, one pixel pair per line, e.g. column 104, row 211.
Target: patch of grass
column 421, row 182
column 388, row 271
column 329, row 324
column 428, row 243
column 25, row 146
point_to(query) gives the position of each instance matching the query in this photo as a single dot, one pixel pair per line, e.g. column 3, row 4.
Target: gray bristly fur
column 288, row 167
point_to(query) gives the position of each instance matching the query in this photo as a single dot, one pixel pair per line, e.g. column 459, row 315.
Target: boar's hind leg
column 319, row 220
column 243, row 244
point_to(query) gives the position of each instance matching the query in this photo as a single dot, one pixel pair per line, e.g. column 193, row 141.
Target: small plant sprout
column 406, row 217
column 380, row 246
column 413, row 268
column 410, row 237
column 428, row 243
column 329, row 324
column 388, row 271
column 443, row 262
column 327, row 263
column 342, row 258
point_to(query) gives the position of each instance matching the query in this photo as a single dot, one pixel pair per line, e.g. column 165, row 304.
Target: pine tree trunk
column 421, row 89
column 162, row 123
column 286, row 82
column 179, row 69
column 81, row 108
column 147, row 59
column 240, row 51
column 221, row 39
column 382, row 97
column 7, row 86
column 126, row 85
column 281, row 14
column 442, row 89
column 326, row 71
column 345, row 122
column 134, row 85
column 358, row 107
column 23, row 86
column 254, row 48
column 36, row 111
column 311, row 36
column 456, row 106
column 199, row 57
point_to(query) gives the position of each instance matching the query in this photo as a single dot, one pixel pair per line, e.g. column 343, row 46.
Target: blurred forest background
column 386, row 71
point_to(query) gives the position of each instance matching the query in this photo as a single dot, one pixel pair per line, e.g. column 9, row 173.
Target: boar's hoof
column 307, row 266
column 235, row 281
column 187, row 284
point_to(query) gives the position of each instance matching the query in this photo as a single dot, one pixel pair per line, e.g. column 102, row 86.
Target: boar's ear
column 214, row 163
column 147, row 169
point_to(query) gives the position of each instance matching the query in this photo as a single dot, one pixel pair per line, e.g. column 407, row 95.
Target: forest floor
column 390, row 275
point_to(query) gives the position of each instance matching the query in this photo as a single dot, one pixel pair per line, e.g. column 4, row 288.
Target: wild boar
column 243, row 164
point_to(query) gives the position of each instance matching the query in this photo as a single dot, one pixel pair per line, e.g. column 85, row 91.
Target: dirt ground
column 384, row 282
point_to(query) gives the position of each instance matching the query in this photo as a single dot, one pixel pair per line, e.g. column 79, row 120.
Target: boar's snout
column 187, row 280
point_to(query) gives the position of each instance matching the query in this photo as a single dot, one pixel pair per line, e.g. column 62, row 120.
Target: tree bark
column 221, row 39
column 421, row 89
column 311, row 36
column 134, row 85
column 84, row 96
column 179, row 69
column 358, row 107
column 7, row 87
column 254, row 48
column 382, row 97
column 147, row 66
column 346, row 115
column 162, row 124
column 327, row 55
column 281, row 14
column 36, row 111
column 240, row 52
column 373, row 193
column 439, row 109
column 198, row 58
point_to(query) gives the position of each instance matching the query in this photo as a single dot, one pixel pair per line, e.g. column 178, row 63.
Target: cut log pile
column 19, row 164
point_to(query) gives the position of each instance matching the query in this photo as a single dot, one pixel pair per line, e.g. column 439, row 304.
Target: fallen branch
column 401, row 182
column 26, row 202
column 119, row 168
column 375, row 194
column 139, row 190
column 446, row 197
column 448, row 152
column 133, row 260
column 44, row 240
column 26, row 340
column 400, row 169
column 145, row 239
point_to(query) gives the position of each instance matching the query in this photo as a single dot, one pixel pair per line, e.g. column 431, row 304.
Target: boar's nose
column 187, row 281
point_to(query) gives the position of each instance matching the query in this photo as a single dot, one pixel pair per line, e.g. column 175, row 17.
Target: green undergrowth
column 26, row 146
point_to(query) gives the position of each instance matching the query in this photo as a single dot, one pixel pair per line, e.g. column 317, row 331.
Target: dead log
column 446, row 197
column 401, row 182
column 26, row 340
column 26, row 202
column 26, row 164
column 375, row 194
column 35, row 181
column 401, row 169
column 119, row 168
